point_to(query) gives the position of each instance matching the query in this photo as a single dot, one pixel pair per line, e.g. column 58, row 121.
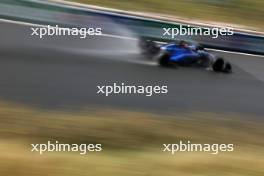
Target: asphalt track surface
column 52, row 75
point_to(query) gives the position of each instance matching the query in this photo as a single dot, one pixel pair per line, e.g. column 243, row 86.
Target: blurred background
column 244, row 13
column 48, row 92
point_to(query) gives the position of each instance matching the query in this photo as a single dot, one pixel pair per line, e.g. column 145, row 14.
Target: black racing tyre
column 218, row 65
column 227, row 68
column 164, row 60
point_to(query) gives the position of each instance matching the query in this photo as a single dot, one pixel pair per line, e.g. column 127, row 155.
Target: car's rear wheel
column 164, row 60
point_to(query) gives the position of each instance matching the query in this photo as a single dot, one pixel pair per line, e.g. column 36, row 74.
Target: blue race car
column 184, row 54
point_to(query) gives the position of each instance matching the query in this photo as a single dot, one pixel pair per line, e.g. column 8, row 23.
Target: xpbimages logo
column 191, row 147
column 196, row 31
column 131, row 89
column 59, row 147
column 41, row 32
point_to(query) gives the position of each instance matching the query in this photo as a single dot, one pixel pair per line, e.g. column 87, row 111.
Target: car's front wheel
column 218, row 65
column 227, row 68
column 221, row 66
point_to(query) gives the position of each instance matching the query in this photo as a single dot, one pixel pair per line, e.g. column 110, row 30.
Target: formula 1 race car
column 183, row 54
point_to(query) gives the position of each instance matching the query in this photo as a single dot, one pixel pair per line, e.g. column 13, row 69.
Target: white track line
column 41, row 25
column 123, row 37
column 104, row 10
column 234, row 52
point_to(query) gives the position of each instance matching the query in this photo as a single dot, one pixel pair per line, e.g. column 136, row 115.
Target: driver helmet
column 183, row 44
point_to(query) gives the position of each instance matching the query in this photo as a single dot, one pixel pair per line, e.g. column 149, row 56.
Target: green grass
column 240, row 12
column 131, row 143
